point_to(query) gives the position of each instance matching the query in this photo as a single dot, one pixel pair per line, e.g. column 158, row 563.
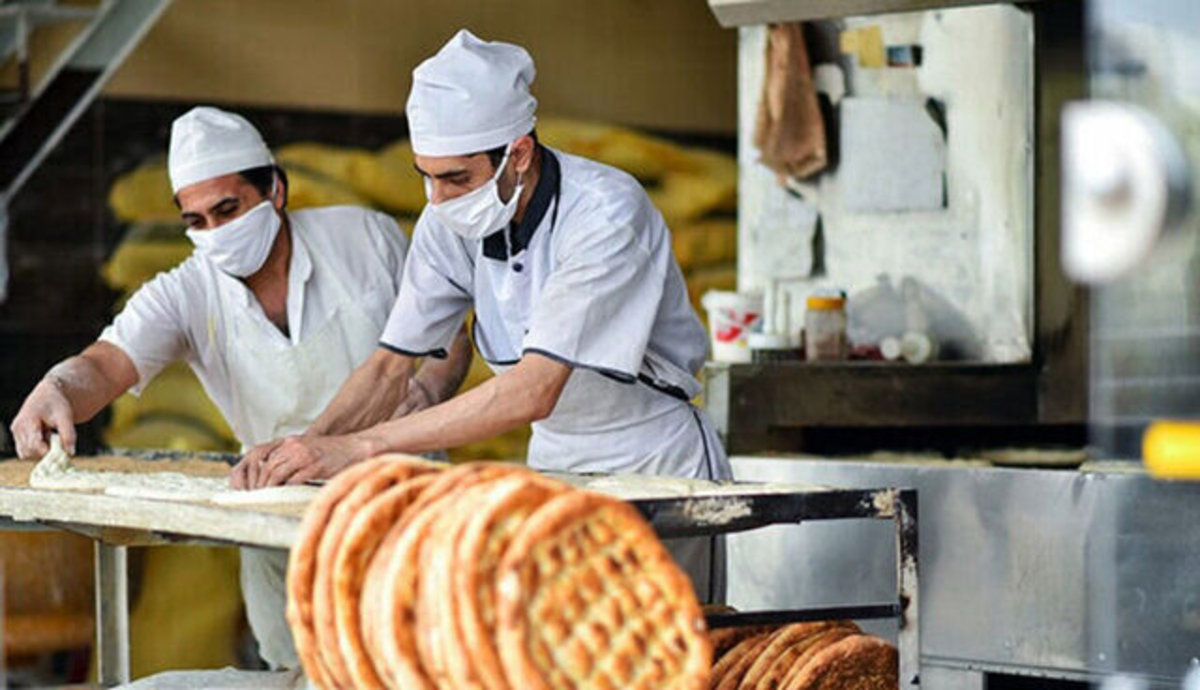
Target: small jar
column 825, row 329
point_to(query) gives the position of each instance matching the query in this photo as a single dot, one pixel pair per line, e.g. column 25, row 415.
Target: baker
column 273, row 311
column 580, row 306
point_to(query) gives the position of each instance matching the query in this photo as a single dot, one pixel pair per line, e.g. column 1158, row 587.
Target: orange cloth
column 789, row 131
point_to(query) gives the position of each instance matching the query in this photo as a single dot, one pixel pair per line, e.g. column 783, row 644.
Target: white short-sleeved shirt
column 591, row 281
column 178, row 314
column 587, row 278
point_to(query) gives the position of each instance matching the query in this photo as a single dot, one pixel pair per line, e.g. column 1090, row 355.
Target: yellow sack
column 144, row 251
column 391, row 181
column 386, row 179
column 705, row 243
column 645, row 157
column 188, row 612
column 509, row 446
column 715, row 278
column 308, row 189
column 175, row 393
column 168, row 433
column 683, row 197
column 144, row 194
column 721, row 169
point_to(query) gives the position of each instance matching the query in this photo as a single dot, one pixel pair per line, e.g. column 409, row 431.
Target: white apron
column 278, row 389
column 603, row 425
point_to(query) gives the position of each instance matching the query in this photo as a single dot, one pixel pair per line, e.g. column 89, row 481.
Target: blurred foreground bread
column 411, row 575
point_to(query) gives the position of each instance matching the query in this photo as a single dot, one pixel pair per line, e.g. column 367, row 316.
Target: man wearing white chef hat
column 272, row 311
column 580, row 306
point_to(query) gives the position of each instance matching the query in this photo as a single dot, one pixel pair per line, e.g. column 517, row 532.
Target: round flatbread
column 302, row 560
column 437, row 628
column 729, row 671
column 358, row 546
column 781, row 641
column 485, row 536
column 393, row 576
column 587, row 596
column 780, row 670
column 386, row 474
column 725, row 639
column 861, row 662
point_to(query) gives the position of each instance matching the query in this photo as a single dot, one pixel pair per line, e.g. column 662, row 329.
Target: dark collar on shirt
column 547, row 191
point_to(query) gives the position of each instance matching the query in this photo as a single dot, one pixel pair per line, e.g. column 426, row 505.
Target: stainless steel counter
column 1068, row 574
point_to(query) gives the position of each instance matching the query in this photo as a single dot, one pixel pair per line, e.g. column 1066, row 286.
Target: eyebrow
column 221, row 202
column 188, row 215
column 441, row 176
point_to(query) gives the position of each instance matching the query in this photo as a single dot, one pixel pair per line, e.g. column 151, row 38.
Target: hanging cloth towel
column 789, row 131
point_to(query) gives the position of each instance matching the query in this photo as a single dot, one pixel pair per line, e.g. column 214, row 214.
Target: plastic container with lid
column 825, row 328
column 732, row 317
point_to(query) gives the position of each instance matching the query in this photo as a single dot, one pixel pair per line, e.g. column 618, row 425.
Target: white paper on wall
column 893, row 156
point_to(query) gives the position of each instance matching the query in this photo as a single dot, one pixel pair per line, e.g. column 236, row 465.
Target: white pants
column 264, row 589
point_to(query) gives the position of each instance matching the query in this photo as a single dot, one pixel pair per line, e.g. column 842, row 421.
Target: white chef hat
column 471, row 96
column 208, row 142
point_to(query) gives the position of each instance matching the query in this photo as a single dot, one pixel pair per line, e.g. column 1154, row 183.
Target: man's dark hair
column 261, row 179
column 497, row 154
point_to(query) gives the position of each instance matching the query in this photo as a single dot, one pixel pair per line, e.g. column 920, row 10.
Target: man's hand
column 72, row 391
column 252, row 465
column 299, row 459
column 46, row 410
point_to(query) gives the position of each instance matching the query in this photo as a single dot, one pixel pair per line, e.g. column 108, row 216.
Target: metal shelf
column 750, row 402
column 724, row 514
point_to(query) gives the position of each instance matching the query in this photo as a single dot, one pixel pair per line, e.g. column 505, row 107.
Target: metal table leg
column 112, row 615
column 907, row 589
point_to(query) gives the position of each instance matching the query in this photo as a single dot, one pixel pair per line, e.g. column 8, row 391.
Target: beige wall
column 654, row 63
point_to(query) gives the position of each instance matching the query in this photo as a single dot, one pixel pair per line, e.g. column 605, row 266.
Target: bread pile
column 410, row 574
column 828, row 655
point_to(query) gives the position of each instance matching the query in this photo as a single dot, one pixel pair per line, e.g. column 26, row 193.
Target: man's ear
column 279, row 199
column 522, row 153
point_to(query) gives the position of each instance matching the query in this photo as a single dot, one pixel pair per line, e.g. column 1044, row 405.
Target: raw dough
column 271, row 495
column 56, row 472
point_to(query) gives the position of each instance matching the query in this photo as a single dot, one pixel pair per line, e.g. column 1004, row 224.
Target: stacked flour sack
column 411, row 574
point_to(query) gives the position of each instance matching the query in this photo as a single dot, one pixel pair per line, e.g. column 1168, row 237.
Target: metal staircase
column 35, row 116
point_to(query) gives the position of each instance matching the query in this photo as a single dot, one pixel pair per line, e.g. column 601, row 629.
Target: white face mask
column 240, row 247
column 479, row 212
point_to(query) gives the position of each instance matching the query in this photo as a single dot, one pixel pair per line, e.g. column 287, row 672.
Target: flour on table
column 271, row 495
column 56, row 472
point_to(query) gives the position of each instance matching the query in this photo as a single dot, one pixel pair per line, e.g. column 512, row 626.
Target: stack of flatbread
column 415, row 575
column 828, row 655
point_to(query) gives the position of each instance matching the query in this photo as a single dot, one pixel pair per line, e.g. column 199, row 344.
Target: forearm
column 499, row 405
column 440, row 379
column 372, row 393
column 83, row 381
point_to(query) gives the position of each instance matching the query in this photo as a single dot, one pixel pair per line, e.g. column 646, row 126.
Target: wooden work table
column 674, row 507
